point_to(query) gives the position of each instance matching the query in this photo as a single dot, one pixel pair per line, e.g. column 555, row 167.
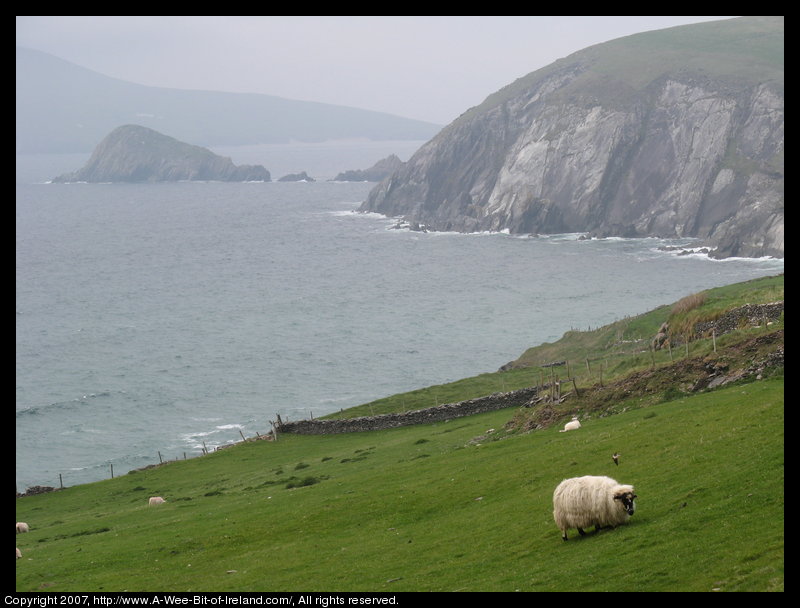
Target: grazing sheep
column 155, row 500
column 19, row 553
column 22, row 527
column 586, row 501
column 571, row 425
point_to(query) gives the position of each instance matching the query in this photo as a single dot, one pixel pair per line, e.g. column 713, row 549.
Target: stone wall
column 439, row 413
column 744, row 316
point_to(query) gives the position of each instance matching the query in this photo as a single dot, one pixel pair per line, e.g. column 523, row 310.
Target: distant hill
column 132, row 153
column 672, row 133
column 62, row 107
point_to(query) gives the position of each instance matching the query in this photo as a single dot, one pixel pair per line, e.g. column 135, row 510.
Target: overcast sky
column 428, row 68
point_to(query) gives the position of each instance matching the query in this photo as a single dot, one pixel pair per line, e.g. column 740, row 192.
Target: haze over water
column 165, row 317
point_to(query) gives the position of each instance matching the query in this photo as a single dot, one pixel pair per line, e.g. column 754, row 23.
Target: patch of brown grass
column 688, row 303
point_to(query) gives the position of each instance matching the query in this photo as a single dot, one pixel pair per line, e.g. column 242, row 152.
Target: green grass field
column 424, row 509
column 442, row 507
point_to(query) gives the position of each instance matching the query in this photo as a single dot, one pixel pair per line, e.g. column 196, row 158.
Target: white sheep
column 155, row 500
column 590, row 500
column 571, row 425
column 19, row 553
column 22, row 527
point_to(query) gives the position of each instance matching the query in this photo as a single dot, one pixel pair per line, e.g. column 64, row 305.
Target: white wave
column 330, row 400
column 361, row 214
column 193, row 436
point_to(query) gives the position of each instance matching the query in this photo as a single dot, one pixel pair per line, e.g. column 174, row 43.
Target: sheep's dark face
column 627, row 500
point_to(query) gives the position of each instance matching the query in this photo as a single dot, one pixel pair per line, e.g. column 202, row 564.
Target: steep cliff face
column 644, row 136
column 132, row 153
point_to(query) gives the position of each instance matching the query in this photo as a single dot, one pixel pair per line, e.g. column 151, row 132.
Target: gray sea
column 156, row 320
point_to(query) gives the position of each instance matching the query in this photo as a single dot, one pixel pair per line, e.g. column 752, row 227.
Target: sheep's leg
column 564, row 534
column 581, row 532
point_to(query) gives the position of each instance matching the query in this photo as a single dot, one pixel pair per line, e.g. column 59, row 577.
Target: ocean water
column 168, row 318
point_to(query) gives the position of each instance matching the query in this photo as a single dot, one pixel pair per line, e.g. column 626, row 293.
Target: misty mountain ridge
column 670, row 133
column 62, row 107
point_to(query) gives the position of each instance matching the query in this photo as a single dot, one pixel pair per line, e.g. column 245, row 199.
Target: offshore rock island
column 674, row 133
column 132, row 153
column 376, row 173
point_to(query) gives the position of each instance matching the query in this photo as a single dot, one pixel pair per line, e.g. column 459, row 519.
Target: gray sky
column 428, row 68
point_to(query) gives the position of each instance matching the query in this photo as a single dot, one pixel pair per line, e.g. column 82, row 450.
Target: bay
column 159, row 319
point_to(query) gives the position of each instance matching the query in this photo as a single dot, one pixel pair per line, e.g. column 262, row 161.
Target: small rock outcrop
column 132, row 153
column 296, row 177
column 34, row 490
column 376, row 173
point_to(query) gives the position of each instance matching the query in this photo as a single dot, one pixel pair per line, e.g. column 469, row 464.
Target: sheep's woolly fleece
column 586, row 501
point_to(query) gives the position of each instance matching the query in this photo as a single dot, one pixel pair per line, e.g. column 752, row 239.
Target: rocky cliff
column 672, row 133
column 133, row 153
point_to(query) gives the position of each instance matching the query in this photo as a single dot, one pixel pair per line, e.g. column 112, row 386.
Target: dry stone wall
column 439, row 413
column 747, row 315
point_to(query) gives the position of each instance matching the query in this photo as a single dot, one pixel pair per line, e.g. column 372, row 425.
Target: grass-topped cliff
column 466, row 505
column 738, row 52
column 676, row 132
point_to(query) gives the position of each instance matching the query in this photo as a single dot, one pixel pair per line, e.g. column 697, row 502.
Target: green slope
column 738, row 52
column 427, row 509
column 464, row 505
column 606, row 353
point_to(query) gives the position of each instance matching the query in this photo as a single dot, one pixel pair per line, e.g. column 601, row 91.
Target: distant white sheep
column 571, row 425
column 155, row 500
column 586, row 501
column 19, row 553
column 22, row 527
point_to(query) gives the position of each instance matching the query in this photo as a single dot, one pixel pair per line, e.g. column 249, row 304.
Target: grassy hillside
column 464, row 505
column 739, row 52
column 604, row 354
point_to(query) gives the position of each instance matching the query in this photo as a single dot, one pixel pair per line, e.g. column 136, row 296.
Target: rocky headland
column 132, row 153
column 672, row 133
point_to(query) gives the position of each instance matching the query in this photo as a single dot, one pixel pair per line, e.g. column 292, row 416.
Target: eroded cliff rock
column 675, row 133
